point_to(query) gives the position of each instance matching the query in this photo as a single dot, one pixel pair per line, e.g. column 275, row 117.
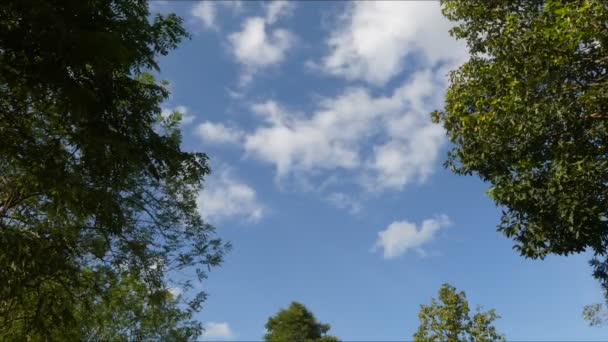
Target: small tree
column 448, row 320
column 297, row 324
column 597, row 314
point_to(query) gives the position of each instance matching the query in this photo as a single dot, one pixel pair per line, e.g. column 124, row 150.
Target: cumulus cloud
column 218, row 133
column 257, row 45
column 253, row 46
column 401, row 236
column 187, row 116
column 337, row 135
column 218, row 331
column 224, row 197
column 381, row 140
column 373, row 38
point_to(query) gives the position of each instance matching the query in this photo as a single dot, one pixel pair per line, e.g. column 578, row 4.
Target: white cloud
column 225, row 197
column 400, row 236
column 218, row 133
column 187, row 116
column 218, row 331
column 338, row 134
column 258, row 45
column 402, row 161
column 373, row 37
column 277, row 8
column 254, row 47
column 205, row 11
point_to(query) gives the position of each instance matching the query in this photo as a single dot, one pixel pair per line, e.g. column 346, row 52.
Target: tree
column 95, row 191
column 125, row 312
column 528, row 113
column 298, row 324
column 597, row 314
column 449, row 320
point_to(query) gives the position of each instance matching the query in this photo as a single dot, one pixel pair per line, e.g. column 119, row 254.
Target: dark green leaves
column 96, row 195
column 296, row 323
column 527, row 113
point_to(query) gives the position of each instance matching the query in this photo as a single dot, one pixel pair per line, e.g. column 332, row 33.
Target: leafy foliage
column 298, row 324
column 96, row 197
column 126, row 311
column 597, row 314
column 528, row 113
column 448, row 320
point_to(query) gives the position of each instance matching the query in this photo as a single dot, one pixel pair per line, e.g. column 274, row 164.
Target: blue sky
column 328, row 178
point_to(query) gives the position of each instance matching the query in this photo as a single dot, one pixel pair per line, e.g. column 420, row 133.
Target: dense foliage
column 298, row 324
column 96, row 195
column 528, row 113
column 449, row 320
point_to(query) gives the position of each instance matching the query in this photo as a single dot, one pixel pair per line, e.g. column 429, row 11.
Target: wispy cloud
column 205, row 11
column 344, row 201
column 224, row 197
column 218, row 133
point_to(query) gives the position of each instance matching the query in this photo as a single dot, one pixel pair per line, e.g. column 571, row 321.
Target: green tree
column 298, row 324
column 528, row 113
column 96, row 193
column 125, row 312
column 597, row 314
column 448, row 320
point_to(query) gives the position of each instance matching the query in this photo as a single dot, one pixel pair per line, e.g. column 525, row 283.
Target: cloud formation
column 277, row 9
column 218, row 331
column 218, row 133
column 226, row 198
column 401, row 236
column 346, row 202
column 373, row 38
column 205, row 11
column 258, row 45
column 337, row 135
column 255, row 46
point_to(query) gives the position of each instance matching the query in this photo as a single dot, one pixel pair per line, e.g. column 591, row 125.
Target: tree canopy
column 298, row 324
column 449, row 320
column 96, row 194
column 528, row 113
